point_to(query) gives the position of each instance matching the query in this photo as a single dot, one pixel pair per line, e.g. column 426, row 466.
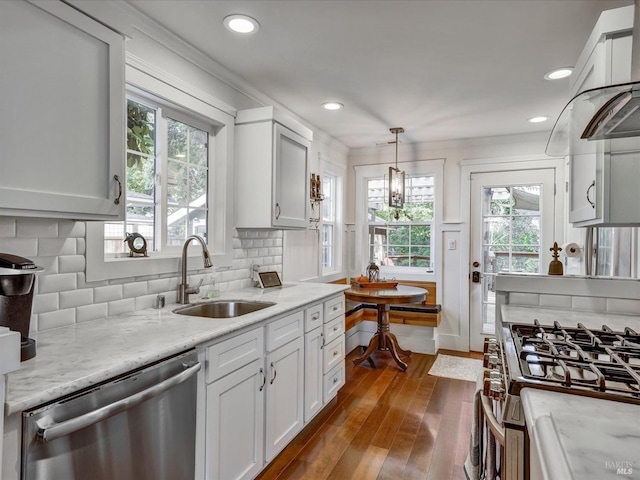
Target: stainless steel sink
column 222, row 308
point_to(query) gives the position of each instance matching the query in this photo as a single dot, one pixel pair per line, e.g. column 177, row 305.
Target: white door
column 512, row 230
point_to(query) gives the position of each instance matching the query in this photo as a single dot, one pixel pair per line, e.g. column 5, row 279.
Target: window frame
column 197, row 105
column 338, row 172
column 363, row 173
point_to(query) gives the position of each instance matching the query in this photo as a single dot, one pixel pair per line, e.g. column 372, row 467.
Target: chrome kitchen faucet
column 184, row 290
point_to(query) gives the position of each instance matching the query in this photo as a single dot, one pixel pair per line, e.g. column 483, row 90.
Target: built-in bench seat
column 425, row 314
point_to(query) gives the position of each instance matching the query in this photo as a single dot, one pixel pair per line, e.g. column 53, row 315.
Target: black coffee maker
column 17, row 281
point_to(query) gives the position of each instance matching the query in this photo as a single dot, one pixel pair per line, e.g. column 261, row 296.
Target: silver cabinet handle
column 274, row 373
column 322, row 345
column 117, row 179
column 593, row 204
column 277, row 211
column 315, row 317
column 47, row 433
column 264, row 379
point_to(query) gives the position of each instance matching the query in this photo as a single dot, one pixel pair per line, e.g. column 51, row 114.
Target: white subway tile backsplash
column 624, row 306
column 555, row 301
column 126, row 305
column 76, row 298
column 56, row 246
column 59, row 318
column 58, row 282
column 24, row 247
column 136, row 289
column 163, row 284
column 531, row 299
column 63, row 296
column 7, row 227
column 37, row 227
column 47, row 302
column 71, row 229
column 107, row 294
column 593, row 304
column 91, row 312
column 71, row 263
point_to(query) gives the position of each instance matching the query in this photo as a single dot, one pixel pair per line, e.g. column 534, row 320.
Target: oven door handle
column 496, row 429
column 48, row 433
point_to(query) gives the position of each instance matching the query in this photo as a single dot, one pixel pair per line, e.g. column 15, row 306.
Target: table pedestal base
column 383, row 340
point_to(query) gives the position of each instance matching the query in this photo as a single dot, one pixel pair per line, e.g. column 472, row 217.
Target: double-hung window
column 167, row 151
column 329, row 222
column 179, row 181
column 404, row 243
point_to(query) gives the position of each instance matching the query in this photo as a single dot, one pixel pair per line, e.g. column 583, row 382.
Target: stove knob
column 495, row 375
column 495, row 389
column 490, row 345
column 490, row 360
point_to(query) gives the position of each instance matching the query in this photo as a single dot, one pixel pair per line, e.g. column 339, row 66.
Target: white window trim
column 339, row 172
column 220, row 221
column 422, row 167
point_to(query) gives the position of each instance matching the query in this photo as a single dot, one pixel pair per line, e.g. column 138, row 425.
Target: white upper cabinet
column 62, row 120
column 603, row 174
column 272, row 170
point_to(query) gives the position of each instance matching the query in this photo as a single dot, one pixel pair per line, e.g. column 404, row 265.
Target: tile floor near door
column 385, row 424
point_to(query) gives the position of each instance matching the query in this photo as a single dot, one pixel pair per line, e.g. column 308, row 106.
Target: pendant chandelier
column 396, row 180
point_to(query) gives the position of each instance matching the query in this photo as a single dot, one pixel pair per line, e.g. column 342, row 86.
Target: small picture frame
column 269, row 279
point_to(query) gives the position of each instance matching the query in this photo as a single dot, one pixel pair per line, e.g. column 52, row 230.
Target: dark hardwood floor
column 385, row 424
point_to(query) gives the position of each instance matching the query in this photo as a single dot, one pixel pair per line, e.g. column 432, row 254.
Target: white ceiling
column 442, row 69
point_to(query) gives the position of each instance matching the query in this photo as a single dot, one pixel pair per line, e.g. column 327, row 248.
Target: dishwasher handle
column 51, row 432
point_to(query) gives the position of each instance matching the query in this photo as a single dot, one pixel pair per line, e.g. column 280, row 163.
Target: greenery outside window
column 406, row 242
column 158, row 142
column 179, row 182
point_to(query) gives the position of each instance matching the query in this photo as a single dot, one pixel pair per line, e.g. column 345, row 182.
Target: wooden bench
column 425, row 314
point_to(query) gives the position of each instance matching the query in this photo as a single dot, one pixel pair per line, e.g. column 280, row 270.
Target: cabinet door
column 234, row 430
column 291, row 179
column 313, row 373
column 284, row 407
column 61, row 113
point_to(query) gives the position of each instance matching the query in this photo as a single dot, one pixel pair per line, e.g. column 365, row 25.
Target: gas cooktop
column 602, row 363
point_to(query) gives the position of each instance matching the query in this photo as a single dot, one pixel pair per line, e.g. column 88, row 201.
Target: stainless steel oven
column 595, row 362
column 137, row 426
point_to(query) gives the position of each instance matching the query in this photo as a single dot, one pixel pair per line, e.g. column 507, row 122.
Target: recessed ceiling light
column 241, row 24
column 332, row 106
column 538, row 119
column 558, row 73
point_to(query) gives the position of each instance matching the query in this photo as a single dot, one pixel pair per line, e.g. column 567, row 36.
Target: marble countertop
column 568, row 318
column 78, row 356
column 583, row 438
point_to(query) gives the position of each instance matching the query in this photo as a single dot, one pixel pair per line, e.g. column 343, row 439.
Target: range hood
column 598, row 114
column 604, row 113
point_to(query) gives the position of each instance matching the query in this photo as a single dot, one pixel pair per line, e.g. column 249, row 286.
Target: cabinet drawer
column 333, row 354
column 333, row 381
column 333, row 329
column 313, row 317
column 282, row 331
column 229, row 355
column 334, row 307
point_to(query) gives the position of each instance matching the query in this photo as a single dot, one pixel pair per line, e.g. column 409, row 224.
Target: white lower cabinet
column 254, row 397
column 235, row 424
column 284, row 392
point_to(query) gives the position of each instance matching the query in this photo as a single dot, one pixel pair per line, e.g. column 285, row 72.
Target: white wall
column 453, row 289
column 63, row 295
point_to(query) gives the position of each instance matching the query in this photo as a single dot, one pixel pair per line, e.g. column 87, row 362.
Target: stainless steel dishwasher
column 138, row 426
